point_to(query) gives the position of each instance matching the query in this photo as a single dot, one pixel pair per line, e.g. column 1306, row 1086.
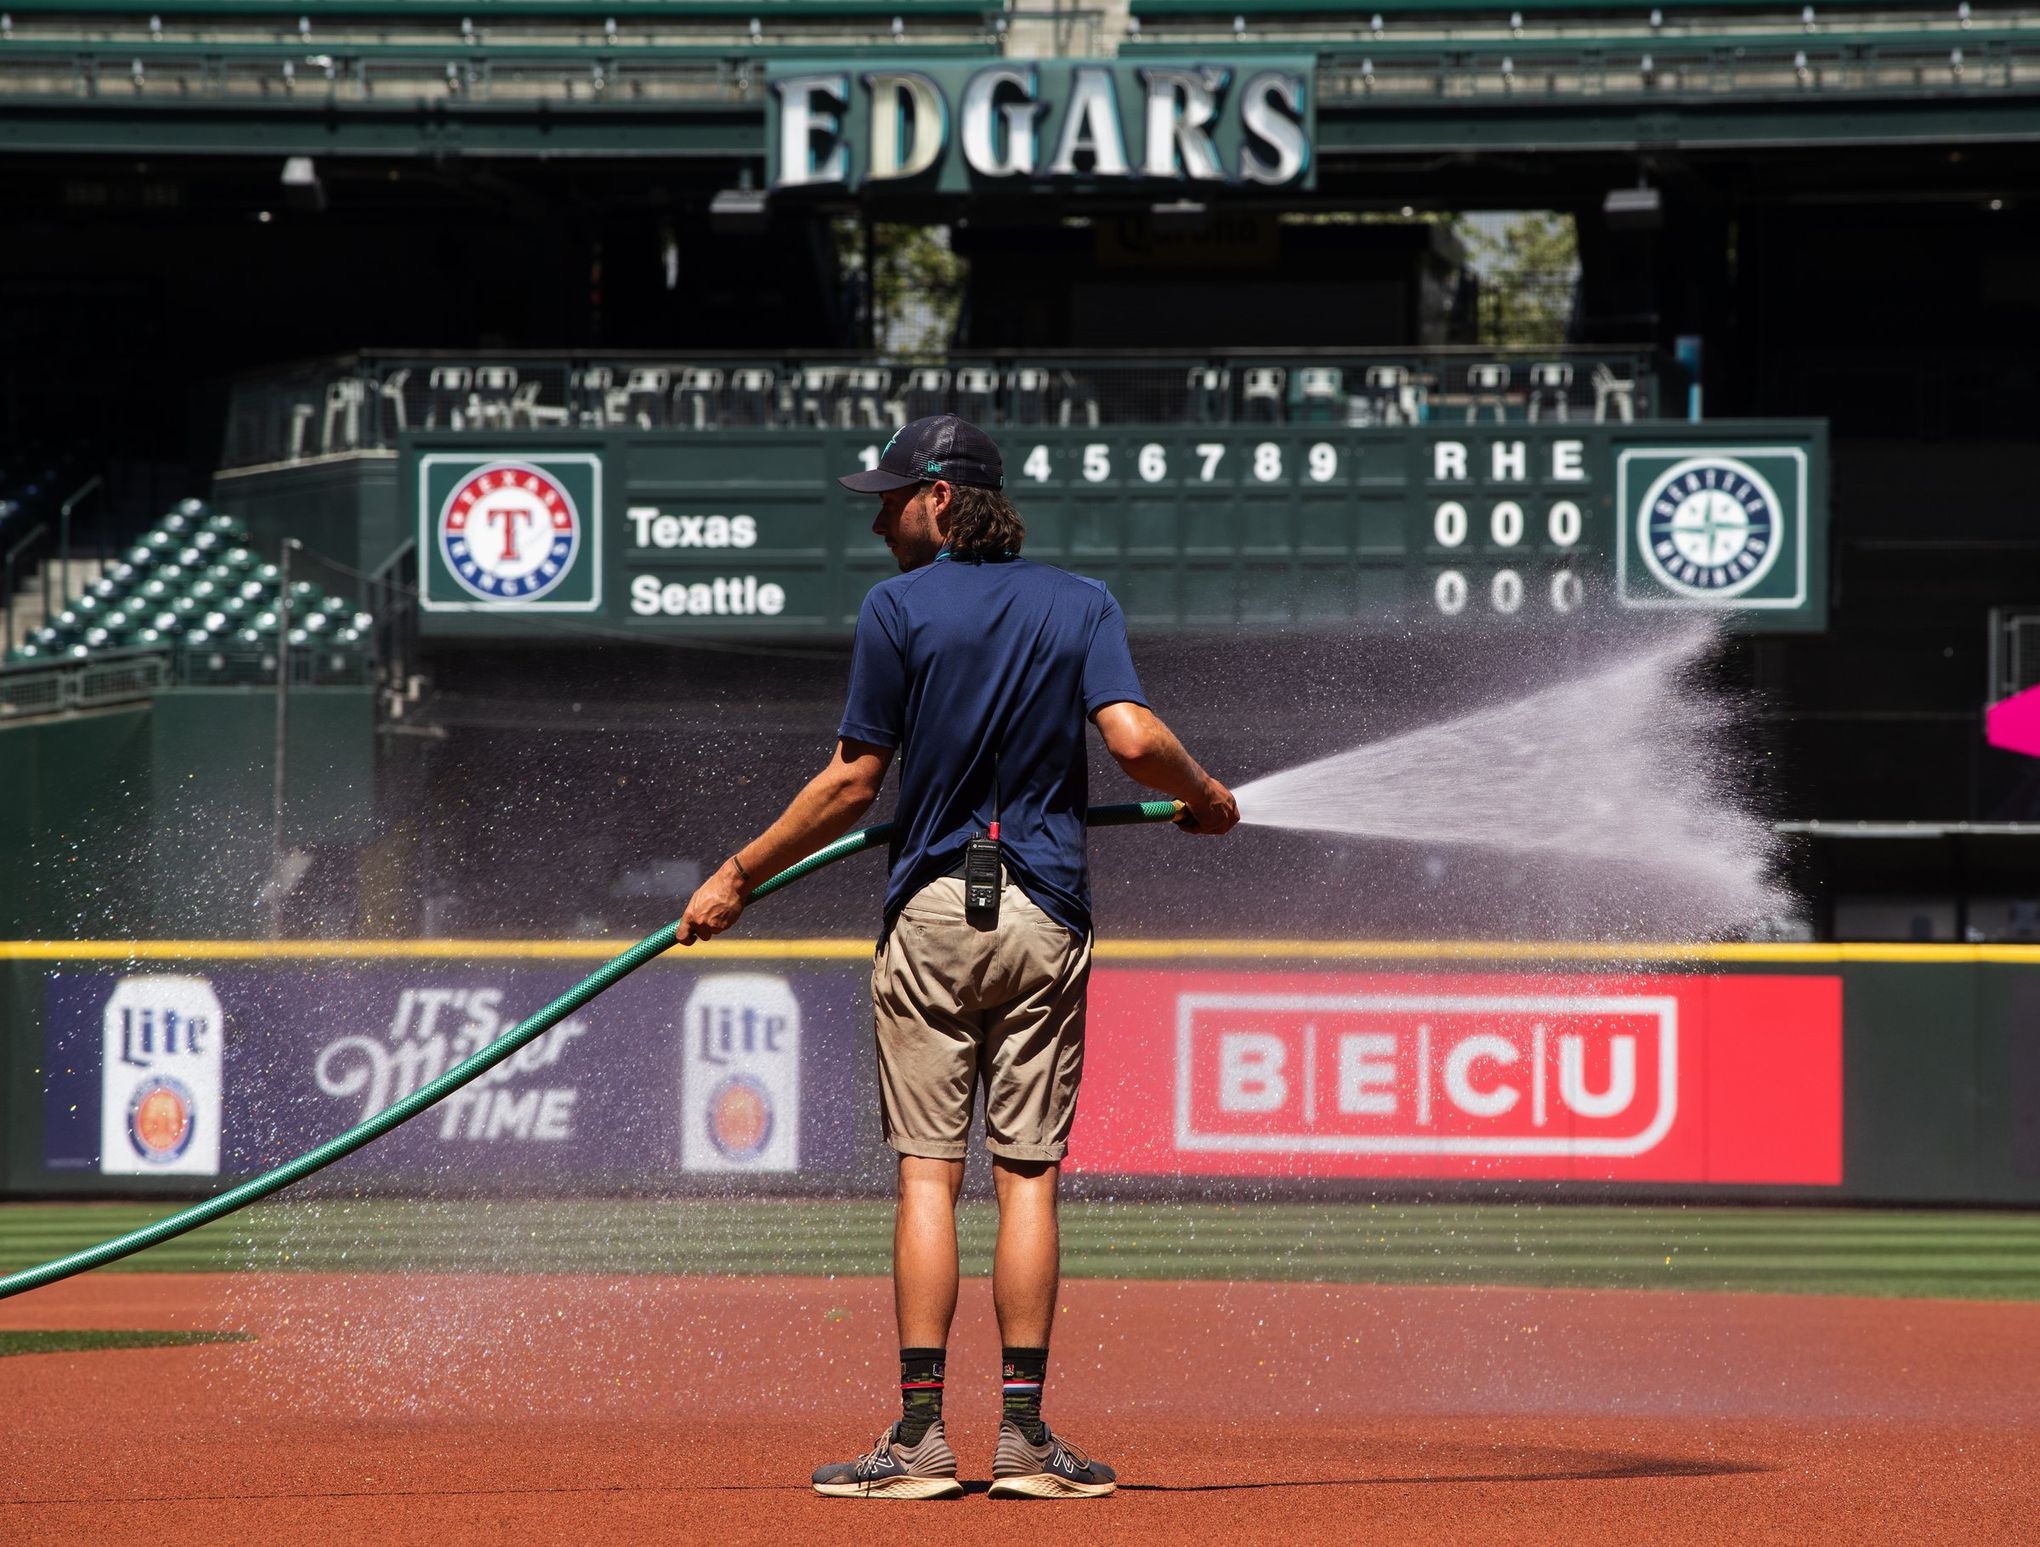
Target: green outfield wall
column 1791, row 1073
column 160, row 817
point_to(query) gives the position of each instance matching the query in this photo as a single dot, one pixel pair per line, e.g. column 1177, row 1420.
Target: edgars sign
column 957, row 127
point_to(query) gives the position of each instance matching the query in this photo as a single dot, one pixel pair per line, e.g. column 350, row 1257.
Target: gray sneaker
column 1054, row 1469
column 890, row 1470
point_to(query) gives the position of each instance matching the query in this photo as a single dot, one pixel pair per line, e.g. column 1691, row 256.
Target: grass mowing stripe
column 1820, row 1250
column 81, row 1339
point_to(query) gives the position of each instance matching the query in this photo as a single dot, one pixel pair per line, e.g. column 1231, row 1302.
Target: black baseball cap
column 923, row 450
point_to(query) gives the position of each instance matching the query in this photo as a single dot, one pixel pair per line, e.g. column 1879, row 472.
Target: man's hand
column 1214, row 813
column 715, row 906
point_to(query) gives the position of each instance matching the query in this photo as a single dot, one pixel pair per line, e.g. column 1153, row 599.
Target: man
column 980, row 668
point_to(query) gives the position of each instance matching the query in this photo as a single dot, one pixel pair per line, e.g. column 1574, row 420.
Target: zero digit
column 1506, row 524
column 1449, row 593
column 1566, row 592
column 1565, row 524
column 1505, row 592
column 1448, row 526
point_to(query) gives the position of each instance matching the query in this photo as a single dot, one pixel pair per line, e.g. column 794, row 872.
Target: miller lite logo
column 509, row 532
column 740, row 1075
column 160, row 1090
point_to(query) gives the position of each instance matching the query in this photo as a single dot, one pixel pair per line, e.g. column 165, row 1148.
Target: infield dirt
column 464, row 1408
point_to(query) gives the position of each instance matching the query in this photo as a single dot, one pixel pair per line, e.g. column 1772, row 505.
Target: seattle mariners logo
column 1708, row 527
column 509, row 532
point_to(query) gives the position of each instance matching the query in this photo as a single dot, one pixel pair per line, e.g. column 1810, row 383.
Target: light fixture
column 1183, row 217
column 302, row 189
column 735, row 210
column 1633, row 209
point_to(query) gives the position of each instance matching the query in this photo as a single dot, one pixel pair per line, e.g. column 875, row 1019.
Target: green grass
column 81, row 1340
column 1812, row 1251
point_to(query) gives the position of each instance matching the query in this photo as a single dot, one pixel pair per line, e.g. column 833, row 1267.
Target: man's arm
column 819, row 815
column 1150, row 753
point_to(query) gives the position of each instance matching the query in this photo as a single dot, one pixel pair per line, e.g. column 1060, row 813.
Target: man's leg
column 1027, row 1263
column 924, row 1250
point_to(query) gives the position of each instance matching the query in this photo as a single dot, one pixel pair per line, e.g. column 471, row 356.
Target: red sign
column 1725, row 1079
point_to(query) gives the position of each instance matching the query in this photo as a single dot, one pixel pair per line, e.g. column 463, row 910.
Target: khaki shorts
column 957, row 1004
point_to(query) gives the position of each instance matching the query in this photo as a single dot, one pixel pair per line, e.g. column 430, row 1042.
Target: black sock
column 1026, row 1369
column 920, row 1392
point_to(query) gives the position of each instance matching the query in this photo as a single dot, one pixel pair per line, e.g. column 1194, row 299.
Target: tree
column 1528, row 270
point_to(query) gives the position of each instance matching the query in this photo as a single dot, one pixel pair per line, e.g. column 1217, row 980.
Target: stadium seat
column 865, row 391
column 1321, row 394
column 527, row 411
column 1027, row 395
column 1551, row 388
column 695, row 399
column 1076, row 399
column 340, row 428
column 392, row 394
column 1261, row 393
column 977, row 393
column 489, row 403
column 590, row 395
column 927, row 393
column 1487, row 387
column 1613, row 391
column 645, row 395
column 819, row 386
column 1210, row 394
column 749, row 397
column 447, row 390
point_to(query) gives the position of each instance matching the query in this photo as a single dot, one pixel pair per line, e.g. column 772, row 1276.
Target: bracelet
column 741, row 871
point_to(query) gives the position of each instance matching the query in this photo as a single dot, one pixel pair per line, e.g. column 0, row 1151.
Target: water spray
column 430, row 1094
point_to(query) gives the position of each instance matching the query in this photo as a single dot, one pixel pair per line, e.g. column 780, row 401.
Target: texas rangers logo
column 509, row 532
column 1708, row 527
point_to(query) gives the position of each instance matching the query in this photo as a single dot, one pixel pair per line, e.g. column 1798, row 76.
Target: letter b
column 1250, row 1077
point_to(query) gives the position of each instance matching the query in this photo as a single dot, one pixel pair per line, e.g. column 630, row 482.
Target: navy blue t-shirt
column 969, row 667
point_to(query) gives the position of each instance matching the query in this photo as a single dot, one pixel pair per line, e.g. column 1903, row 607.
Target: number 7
column 1212, row 451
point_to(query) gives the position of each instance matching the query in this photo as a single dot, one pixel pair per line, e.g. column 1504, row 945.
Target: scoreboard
column 1195, row 527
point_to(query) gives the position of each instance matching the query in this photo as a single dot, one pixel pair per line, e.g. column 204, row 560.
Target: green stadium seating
column 191, row 584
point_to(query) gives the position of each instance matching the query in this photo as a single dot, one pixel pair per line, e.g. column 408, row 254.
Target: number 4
column 1036, row 465
column 1212, row 452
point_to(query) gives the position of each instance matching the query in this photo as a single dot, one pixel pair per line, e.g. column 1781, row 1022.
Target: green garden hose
column 373, row 1128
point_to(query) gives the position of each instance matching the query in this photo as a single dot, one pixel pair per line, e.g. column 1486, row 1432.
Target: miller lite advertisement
column 243, row 1068
column 161, row 1050
column 740, row 1075
column 1692, row 1078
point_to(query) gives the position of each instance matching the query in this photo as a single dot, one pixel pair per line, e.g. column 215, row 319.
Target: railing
column 106, row 678
column 362, row 403
column 1653, row 67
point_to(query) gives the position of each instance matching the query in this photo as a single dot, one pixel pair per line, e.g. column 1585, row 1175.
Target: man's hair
column 983, row 523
